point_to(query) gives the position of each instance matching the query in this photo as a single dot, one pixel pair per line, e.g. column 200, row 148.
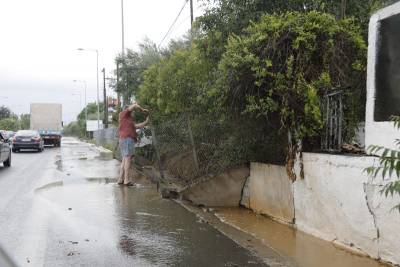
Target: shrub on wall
column 284, row 64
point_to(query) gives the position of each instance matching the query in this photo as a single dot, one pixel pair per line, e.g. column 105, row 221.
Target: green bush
column 284, row 64
column 9, row 124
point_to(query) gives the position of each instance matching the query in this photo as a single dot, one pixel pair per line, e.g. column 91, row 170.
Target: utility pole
column 118, row 88
column 191, row 13
column 123, row 79
column 123, row 30
column 105, row 99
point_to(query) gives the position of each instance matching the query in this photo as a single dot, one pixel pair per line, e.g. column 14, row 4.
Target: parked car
column 5, row 151
column 27, row 139
column 10, row 134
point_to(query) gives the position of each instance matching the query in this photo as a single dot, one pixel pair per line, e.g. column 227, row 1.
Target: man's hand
column 136, row 105
column 142, row 124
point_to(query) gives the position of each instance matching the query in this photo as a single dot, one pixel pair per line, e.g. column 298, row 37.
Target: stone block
column 224, row 190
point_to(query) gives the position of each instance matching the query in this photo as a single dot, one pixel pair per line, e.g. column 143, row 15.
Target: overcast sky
column 39, row 40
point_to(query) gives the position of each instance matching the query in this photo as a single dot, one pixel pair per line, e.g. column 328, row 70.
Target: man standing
column 127, row 139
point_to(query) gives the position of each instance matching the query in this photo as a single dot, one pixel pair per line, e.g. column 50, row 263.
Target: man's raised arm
column 142, row 124
column 136, row 105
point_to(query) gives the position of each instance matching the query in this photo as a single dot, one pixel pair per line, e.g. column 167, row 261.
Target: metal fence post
column 154, row 140
column 196, row 161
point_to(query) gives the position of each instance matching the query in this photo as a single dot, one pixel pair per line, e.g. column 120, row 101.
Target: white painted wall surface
column 387, row 220
column 377, row 133
column 331, row 202
column 270, row 192
column 336, row 201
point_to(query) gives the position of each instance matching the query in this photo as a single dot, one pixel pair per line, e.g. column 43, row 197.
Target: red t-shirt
column 126, row 125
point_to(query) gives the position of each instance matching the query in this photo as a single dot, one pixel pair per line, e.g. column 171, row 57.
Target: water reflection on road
column 103, row 223
column 62, row 207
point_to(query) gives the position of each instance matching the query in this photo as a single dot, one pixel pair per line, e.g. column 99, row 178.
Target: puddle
column 59, row 164
column 305, row 250
column 77, row 181
column 101, row 180
column 49, row 186
column 128, row 226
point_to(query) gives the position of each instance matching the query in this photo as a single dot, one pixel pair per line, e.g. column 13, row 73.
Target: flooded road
column 63, row 208
column 302, row 249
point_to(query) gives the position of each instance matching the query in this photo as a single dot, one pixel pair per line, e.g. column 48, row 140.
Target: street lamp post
column 80, row 98
column 97, row 83
column 86, row 118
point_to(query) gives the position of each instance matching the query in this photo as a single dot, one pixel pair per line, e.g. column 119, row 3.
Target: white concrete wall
column 270, row 192
column 331, row 201
column 377, row 133
column 336, row 201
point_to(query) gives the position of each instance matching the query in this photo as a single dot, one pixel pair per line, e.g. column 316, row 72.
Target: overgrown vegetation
column 284, row 64
column 250, row 77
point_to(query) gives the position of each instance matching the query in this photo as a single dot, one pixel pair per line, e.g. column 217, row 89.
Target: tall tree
column 132, row 66
column 225, row 17
column 5, row 112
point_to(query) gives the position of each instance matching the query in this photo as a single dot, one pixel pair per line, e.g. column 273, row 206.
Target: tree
column 225, row 17
column 5, row 112
column 24, row 121
column 73, row 129
column 285, row 63
column 9, row 124
column 91, row 111
column 132, row 66
column 389, row 165
column 178, row 83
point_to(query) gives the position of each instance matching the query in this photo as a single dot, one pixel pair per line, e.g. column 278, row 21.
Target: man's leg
column 127, row 165
column 121, row 171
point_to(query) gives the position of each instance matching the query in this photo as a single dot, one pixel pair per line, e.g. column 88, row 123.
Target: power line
column 173, row 23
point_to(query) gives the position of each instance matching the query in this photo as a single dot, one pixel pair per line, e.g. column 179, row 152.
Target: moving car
column 51, row 137
column 5, row 151
column 27, row 139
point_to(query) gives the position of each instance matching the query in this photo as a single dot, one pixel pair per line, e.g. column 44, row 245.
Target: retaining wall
column 336, row 201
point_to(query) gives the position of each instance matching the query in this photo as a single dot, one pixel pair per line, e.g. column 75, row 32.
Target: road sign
column 91, row 125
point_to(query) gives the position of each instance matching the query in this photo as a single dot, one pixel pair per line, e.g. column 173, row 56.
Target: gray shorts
column 127, row 147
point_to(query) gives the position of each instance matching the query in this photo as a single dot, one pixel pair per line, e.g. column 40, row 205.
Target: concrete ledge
column 224, row 190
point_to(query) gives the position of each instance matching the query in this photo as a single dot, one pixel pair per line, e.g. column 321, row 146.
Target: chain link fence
column 187, row 147
column 191, row 147
column 109, row 138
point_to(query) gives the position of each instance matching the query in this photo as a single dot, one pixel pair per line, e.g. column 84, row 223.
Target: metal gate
column 332, row 113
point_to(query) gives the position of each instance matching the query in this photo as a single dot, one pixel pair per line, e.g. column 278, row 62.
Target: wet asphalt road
column 62, row 208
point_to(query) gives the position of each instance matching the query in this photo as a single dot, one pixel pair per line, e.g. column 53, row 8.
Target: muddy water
column 304, row 250
column 96, row 222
